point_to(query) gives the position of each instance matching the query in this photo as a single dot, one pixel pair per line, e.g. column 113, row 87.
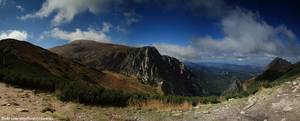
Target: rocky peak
column 274, row 70
column 235, row 86
column 279, row 64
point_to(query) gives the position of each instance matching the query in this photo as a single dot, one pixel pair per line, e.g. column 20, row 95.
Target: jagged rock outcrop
column 235, row 86
column 146, row 63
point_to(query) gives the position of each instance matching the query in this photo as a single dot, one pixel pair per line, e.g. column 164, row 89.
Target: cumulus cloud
column 65, row 10
column 14, row 34
column 180, row 52
column 20, row 8
column 78, row 34
column 247, row 34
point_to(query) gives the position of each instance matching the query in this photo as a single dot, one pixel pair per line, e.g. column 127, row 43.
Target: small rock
column 197, row 107
column 26, row 95
column 295, row 90
column 22, row 110
column 294, row 83
column 284, row 119
column 287, row 108
column 15, row 104
column 5, row 104
column 242, row 112
column 50, row 109
column 265, row 120
column 20, row 90
column 205, row 112
column 176, row 114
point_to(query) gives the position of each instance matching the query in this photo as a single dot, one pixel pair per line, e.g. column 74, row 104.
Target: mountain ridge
column 20, row 59
column 146, row 63
column 277, row 71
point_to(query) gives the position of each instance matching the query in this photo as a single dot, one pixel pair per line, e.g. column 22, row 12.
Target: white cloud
column 20, row 8
column 246, row 33
column 180, row 52
column 131, row 17
column 65, row 10
column 78, row 34
column 14, row 34
column 106, row 27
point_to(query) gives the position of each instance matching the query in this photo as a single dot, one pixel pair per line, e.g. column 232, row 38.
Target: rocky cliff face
column 235, row 86
column 146, row 63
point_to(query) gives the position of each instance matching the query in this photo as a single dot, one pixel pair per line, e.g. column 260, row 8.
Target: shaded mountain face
column 24, row 61
column 275, row 69
column 145, row 63
column 16, row 54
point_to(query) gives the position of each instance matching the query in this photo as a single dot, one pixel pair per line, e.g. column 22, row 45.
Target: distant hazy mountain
column 218, row 78
column 232, row 67
column 145, row 63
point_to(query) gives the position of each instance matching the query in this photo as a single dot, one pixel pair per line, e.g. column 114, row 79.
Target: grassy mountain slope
column 29, row 66
column 144, row 63
column 24, row 60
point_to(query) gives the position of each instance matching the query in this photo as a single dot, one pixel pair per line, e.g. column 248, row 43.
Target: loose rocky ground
column 281, row 103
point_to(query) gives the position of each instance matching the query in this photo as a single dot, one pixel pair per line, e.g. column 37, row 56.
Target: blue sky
column 231, row 31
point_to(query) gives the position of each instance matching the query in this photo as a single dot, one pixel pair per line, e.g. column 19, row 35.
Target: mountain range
column 218, row 78
column 131, row 69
